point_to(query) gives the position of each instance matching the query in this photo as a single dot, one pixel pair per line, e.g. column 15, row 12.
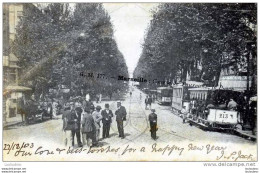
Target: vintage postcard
column 130, row 82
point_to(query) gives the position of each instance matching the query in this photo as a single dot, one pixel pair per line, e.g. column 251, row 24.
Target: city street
column 171, row 128
column 193, row 65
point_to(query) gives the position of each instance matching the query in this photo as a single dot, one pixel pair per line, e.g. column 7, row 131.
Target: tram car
column 208, row 107
column 180, row 97
column 164, row 95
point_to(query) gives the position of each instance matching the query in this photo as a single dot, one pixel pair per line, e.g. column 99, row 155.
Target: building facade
column 12, row 91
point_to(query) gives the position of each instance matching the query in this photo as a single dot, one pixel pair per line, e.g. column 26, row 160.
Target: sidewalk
column 12, row 121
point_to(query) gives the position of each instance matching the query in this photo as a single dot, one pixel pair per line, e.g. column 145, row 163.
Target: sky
column 130, row 21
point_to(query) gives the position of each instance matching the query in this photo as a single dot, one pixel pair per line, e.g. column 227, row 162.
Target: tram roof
column 210, row 89
column 202, row 89
column 161, row 88
column 182, row 86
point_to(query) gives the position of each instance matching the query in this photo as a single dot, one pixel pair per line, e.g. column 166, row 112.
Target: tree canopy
column 197, row 39
column 58, row 42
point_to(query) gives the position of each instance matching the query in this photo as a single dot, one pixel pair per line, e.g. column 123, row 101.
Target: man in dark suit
column 150, row 100
column 88, row 127
column 106, row 120
column 153, row 124
column 120, row 118
column 75, row 120
column 66, row 115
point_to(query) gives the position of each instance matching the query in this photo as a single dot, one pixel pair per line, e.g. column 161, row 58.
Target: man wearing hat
column 66, row 128
column 88, row 127
column 232, row 105
column 97, row 118
column 107, row 114
column 153, row 124
column 120, row 118
column 75, row 120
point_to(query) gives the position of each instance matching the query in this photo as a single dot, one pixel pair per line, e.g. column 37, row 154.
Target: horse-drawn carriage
column 37, row 111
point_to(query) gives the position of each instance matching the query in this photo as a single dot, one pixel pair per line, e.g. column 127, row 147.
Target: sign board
column 166, row 99
column 222, row 116
column 234, row 82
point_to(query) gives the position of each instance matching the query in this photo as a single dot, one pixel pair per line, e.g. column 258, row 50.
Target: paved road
column 171, row 128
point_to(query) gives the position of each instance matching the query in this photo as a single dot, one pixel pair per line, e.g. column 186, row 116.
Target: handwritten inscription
column 29, row 149
column 167, row 148
column 236, row 156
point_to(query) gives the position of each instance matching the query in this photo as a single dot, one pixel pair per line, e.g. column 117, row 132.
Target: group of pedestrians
column 83, row 120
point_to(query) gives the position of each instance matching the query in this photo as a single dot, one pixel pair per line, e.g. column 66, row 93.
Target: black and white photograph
column 129, row 82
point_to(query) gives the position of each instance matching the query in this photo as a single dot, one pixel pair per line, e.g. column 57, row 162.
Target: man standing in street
column 97, row 118
column 88, row 127
column 106, row 120
column 153, row 124
column 150, row 100
column 66, row 115
column 75, row 121
column 120, row 118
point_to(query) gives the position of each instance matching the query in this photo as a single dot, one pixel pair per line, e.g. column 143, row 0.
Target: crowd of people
column 83, row 120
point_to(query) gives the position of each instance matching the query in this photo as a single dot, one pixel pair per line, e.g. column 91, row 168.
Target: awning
column 14, row 66
column 16, row 88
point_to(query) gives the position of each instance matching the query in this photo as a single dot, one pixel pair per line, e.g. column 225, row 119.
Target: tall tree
column 60, row 41
column 197, row 39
